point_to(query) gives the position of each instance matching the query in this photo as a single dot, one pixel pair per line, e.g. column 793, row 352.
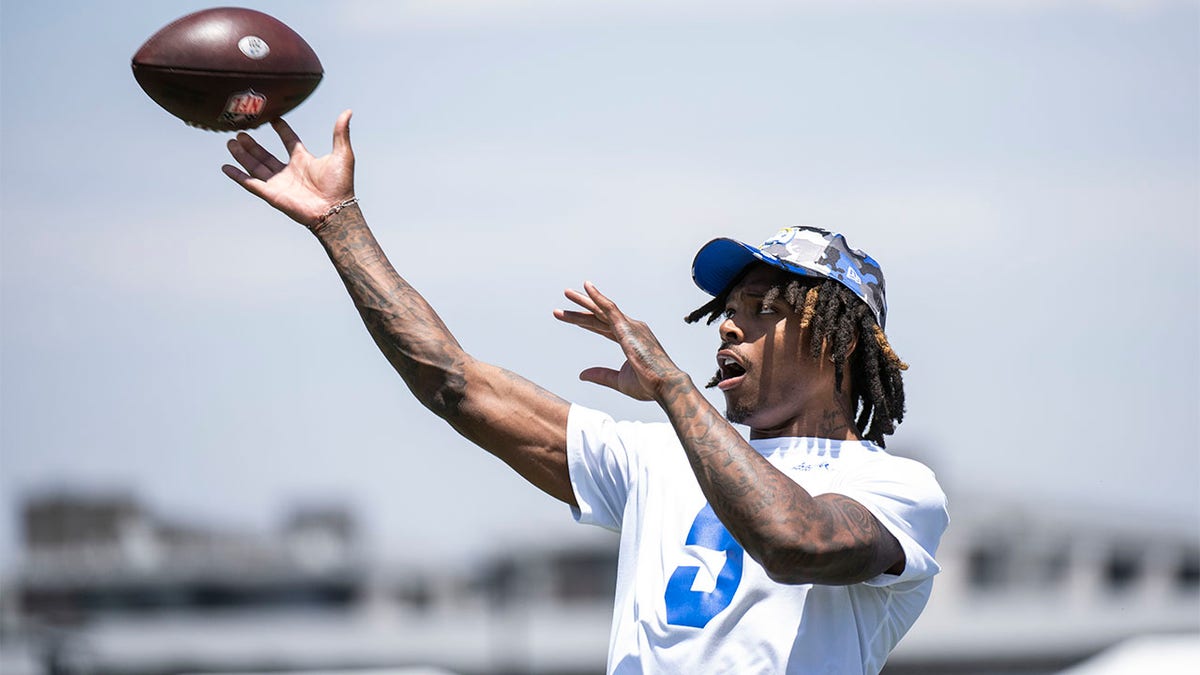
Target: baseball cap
column 807, row 251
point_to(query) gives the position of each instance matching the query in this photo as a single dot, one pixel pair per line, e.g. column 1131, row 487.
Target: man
column 839, row 535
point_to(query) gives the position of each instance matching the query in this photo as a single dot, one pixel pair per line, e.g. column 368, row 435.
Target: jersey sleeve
column 905, row 497
column 602, row 463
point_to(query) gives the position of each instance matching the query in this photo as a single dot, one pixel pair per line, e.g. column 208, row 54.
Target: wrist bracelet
column 333, row 210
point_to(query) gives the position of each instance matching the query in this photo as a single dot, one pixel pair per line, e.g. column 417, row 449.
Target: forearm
column 503, row 413
column 795, row 537
column 512, row 418
column 405, row 327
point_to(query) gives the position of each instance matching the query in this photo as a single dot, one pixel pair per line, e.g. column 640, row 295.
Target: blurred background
column 206, row 466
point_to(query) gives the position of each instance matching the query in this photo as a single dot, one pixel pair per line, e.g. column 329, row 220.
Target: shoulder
column 905, row 497
column 597, row 428
column 585, row 416
column 874, row 464
column 898, row 486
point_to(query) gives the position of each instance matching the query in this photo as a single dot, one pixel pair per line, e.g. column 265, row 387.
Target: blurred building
column 1036, row 588
column 106, row 587
column 95, row 555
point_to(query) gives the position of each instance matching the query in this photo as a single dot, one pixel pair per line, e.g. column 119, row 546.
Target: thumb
column 341, row 133
column 606, row 377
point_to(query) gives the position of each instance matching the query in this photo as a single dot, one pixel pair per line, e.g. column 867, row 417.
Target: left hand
column 647, row 371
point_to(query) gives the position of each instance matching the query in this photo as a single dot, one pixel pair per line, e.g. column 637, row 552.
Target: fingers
column 260, row 153
column 595, row 302
column 593, row 319
column 253, row 157
column 290, row 140
column 602, row 315
column 581, row 299
column 235, row 173
column 252, row 185
column 600, row 300
column 585, row 320
column 341, row 133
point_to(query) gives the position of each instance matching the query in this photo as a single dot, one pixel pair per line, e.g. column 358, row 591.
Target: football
column 227, row 68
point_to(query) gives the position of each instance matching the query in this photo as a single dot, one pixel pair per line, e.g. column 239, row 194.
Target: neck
column 831, row 419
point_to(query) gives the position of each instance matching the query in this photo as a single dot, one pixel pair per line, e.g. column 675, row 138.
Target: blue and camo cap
column 807, row 251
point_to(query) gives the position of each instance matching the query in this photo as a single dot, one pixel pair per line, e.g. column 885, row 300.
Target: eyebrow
column 756, row 291
column 752, row 294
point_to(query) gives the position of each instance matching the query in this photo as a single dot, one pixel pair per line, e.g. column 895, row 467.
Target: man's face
column 770, row 381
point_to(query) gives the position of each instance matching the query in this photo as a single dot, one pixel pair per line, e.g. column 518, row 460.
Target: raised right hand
column 304, row 188
column 647, row 372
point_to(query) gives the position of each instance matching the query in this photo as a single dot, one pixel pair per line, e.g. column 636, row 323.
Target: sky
column 1026, row 173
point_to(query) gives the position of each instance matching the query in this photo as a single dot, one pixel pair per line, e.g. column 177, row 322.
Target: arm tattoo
column 406, row 329
column 404, row 326
column 514, row 419
column 797, row 538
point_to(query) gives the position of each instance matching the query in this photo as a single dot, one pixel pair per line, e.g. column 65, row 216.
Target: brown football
column 227, row 68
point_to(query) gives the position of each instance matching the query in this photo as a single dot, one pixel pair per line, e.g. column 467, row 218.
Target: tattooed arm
column 514, row 419
column 797, row 538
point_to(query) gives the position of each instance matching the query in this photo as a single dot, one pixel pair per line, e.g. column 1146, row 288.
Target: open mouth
column 729, row 373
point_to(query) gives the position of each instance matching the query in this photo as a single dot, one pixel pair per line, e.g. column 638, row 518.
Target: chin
column 737, row 414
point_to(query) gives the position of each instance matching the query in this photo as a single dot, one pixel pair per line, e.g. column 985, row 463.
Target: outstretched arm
column 514, row 419
column 797, row 538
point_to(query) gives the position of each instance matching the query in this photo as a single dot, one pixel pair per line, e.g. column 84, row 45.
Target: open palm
column 304, row 188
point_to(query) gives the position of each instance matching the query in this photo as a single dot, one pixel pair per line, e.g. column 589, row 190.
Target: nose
column 730, row 332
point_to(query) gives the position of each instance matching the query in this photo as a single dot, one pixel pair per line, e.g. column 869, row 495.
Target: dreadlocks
column 836, row 318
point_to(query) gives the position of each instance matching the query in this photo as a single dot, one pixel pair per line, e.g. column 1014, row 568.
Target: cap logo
column 781, row 237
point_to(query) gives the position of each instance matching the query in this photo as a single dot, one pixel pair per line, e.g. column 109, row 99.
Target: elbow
column 792, row 563
column 445, row 397
column 815, row 563
column 437, row 379
column 785, row 556
column 440, row 387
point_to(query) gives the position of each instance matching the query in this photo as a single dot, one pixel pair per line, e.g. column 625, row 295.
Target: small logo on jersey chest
column 809, row 466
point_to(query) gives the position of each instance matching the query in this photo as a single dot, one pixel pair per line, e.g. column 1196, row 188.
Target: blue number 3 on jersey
column 686, row 607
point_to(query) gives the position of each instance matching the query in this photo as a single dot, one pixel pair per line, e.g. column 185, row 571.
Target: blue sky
column 1026, row 173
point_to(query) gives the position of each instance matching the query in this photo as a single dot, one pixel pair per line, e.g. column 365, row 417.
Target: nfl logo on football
column 244, row 107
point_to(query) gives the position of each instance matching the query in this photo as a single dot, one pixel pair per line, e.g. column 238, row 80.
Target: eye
column 767, row 309
column 728, row 313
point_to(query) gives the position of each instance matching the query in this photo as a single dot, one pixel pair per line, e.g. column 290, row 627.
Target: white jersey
column 689, row 600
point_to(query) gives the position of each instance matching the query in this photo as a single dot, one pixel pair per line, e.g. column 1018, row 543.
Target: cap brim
column 720, row 261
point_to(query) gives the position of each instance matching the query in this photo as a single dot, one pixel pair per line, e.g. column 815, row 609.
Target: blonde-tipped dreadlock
column 843, row 322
